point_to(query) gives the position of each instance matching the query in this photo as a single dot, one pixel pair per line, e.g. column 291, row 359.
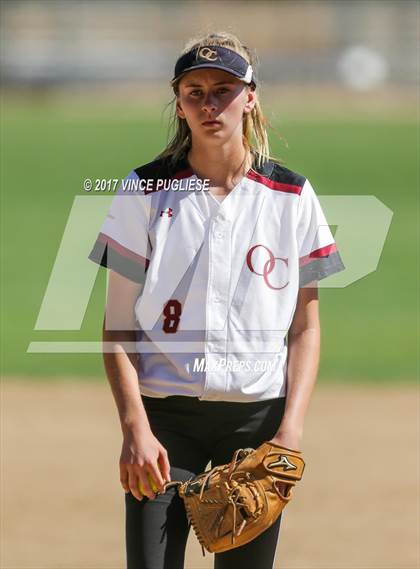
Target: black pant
column 193, row 433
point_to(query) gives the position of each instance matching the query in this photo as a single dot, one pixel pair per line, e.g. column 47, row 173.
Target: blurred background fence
column 361, row 44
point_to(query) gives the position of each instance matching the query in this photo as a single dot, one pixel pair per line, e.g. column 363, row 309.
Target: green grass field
column 369, row 329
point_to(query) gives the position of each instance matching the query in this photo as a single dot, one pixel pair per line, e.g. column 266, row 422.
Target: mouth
column 211, row 123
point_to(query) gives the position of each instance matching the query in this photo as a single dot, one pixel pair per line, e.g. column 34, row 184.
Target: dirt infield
column 62, row 505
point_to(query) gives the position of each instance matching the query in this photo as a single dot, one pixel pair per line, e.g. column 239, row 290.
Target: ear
column 251, row 100
column 178, row 109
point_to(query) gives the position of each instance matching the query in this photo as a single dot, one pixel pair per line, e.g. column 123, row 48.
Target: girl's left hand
column 291, row 441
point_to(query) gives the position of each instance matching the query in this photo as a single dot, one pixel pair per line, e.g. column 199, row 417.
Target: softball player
column 212, row 329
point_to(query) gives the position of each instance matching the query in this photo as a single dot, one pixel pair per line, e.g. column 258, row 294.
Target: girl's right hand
column 143, row 455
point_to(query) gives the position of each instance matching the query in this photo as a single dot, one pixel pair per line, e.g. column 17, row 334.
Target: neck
column 222, row 165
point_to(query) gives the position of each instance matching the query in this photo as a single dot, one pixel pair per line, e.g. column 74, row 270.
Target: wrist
column 290, row 430
column 291, row 438
column 134, row 426
column 292, row 425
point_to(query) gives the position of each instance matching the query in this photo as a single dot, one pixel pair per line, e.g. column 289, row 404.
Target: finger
column 284, row 489
column 124, row 478
column 164, row 465
column 133, row 483
column 144, row 486
column 280, row 487
column 156, row 479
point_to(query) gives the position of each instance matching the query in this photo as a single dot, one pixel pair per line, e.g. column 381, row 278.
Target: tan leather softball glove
column 232, row 504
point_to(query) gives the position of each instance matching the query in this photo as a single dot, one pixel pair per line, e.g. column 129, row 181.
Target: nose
column 209, row 103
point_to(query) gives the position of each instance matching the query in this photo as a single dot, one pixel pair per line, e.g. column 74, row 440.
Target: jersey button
column 219, row 235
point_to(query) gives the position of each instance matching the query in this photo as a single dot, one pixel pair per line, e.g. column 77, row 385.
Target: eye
column 223, row 90
column 195, row 93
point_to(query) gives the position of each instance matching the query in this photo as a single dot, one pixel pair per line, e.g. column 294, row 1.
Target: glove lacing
column 233, row 497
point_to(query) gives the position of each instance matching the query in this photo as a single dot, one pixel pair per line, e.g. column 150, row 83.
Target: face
column 213, row 103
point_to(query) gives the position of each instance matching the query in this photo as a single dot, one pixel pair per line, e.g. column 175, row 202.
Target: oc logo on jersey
column 268, row 266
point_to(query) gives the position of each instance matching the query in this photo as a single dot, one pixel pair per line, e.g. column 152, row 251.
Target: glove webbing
column 233, row 500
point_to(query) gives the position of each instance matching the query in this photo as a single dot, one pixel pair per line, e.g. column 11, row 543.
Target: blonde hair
column 255, row 137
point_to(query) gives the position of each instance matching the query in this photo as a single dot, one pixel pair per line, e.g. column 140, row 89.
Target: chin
column 215, row 137
column 209, row 135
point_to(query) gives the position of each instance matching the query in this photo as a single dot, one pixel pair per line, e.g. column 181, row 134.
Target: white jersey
column 221, row 279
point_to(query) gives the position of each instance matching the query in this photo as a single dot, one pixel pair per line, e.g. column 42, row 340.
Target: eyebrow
column 225, row 82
